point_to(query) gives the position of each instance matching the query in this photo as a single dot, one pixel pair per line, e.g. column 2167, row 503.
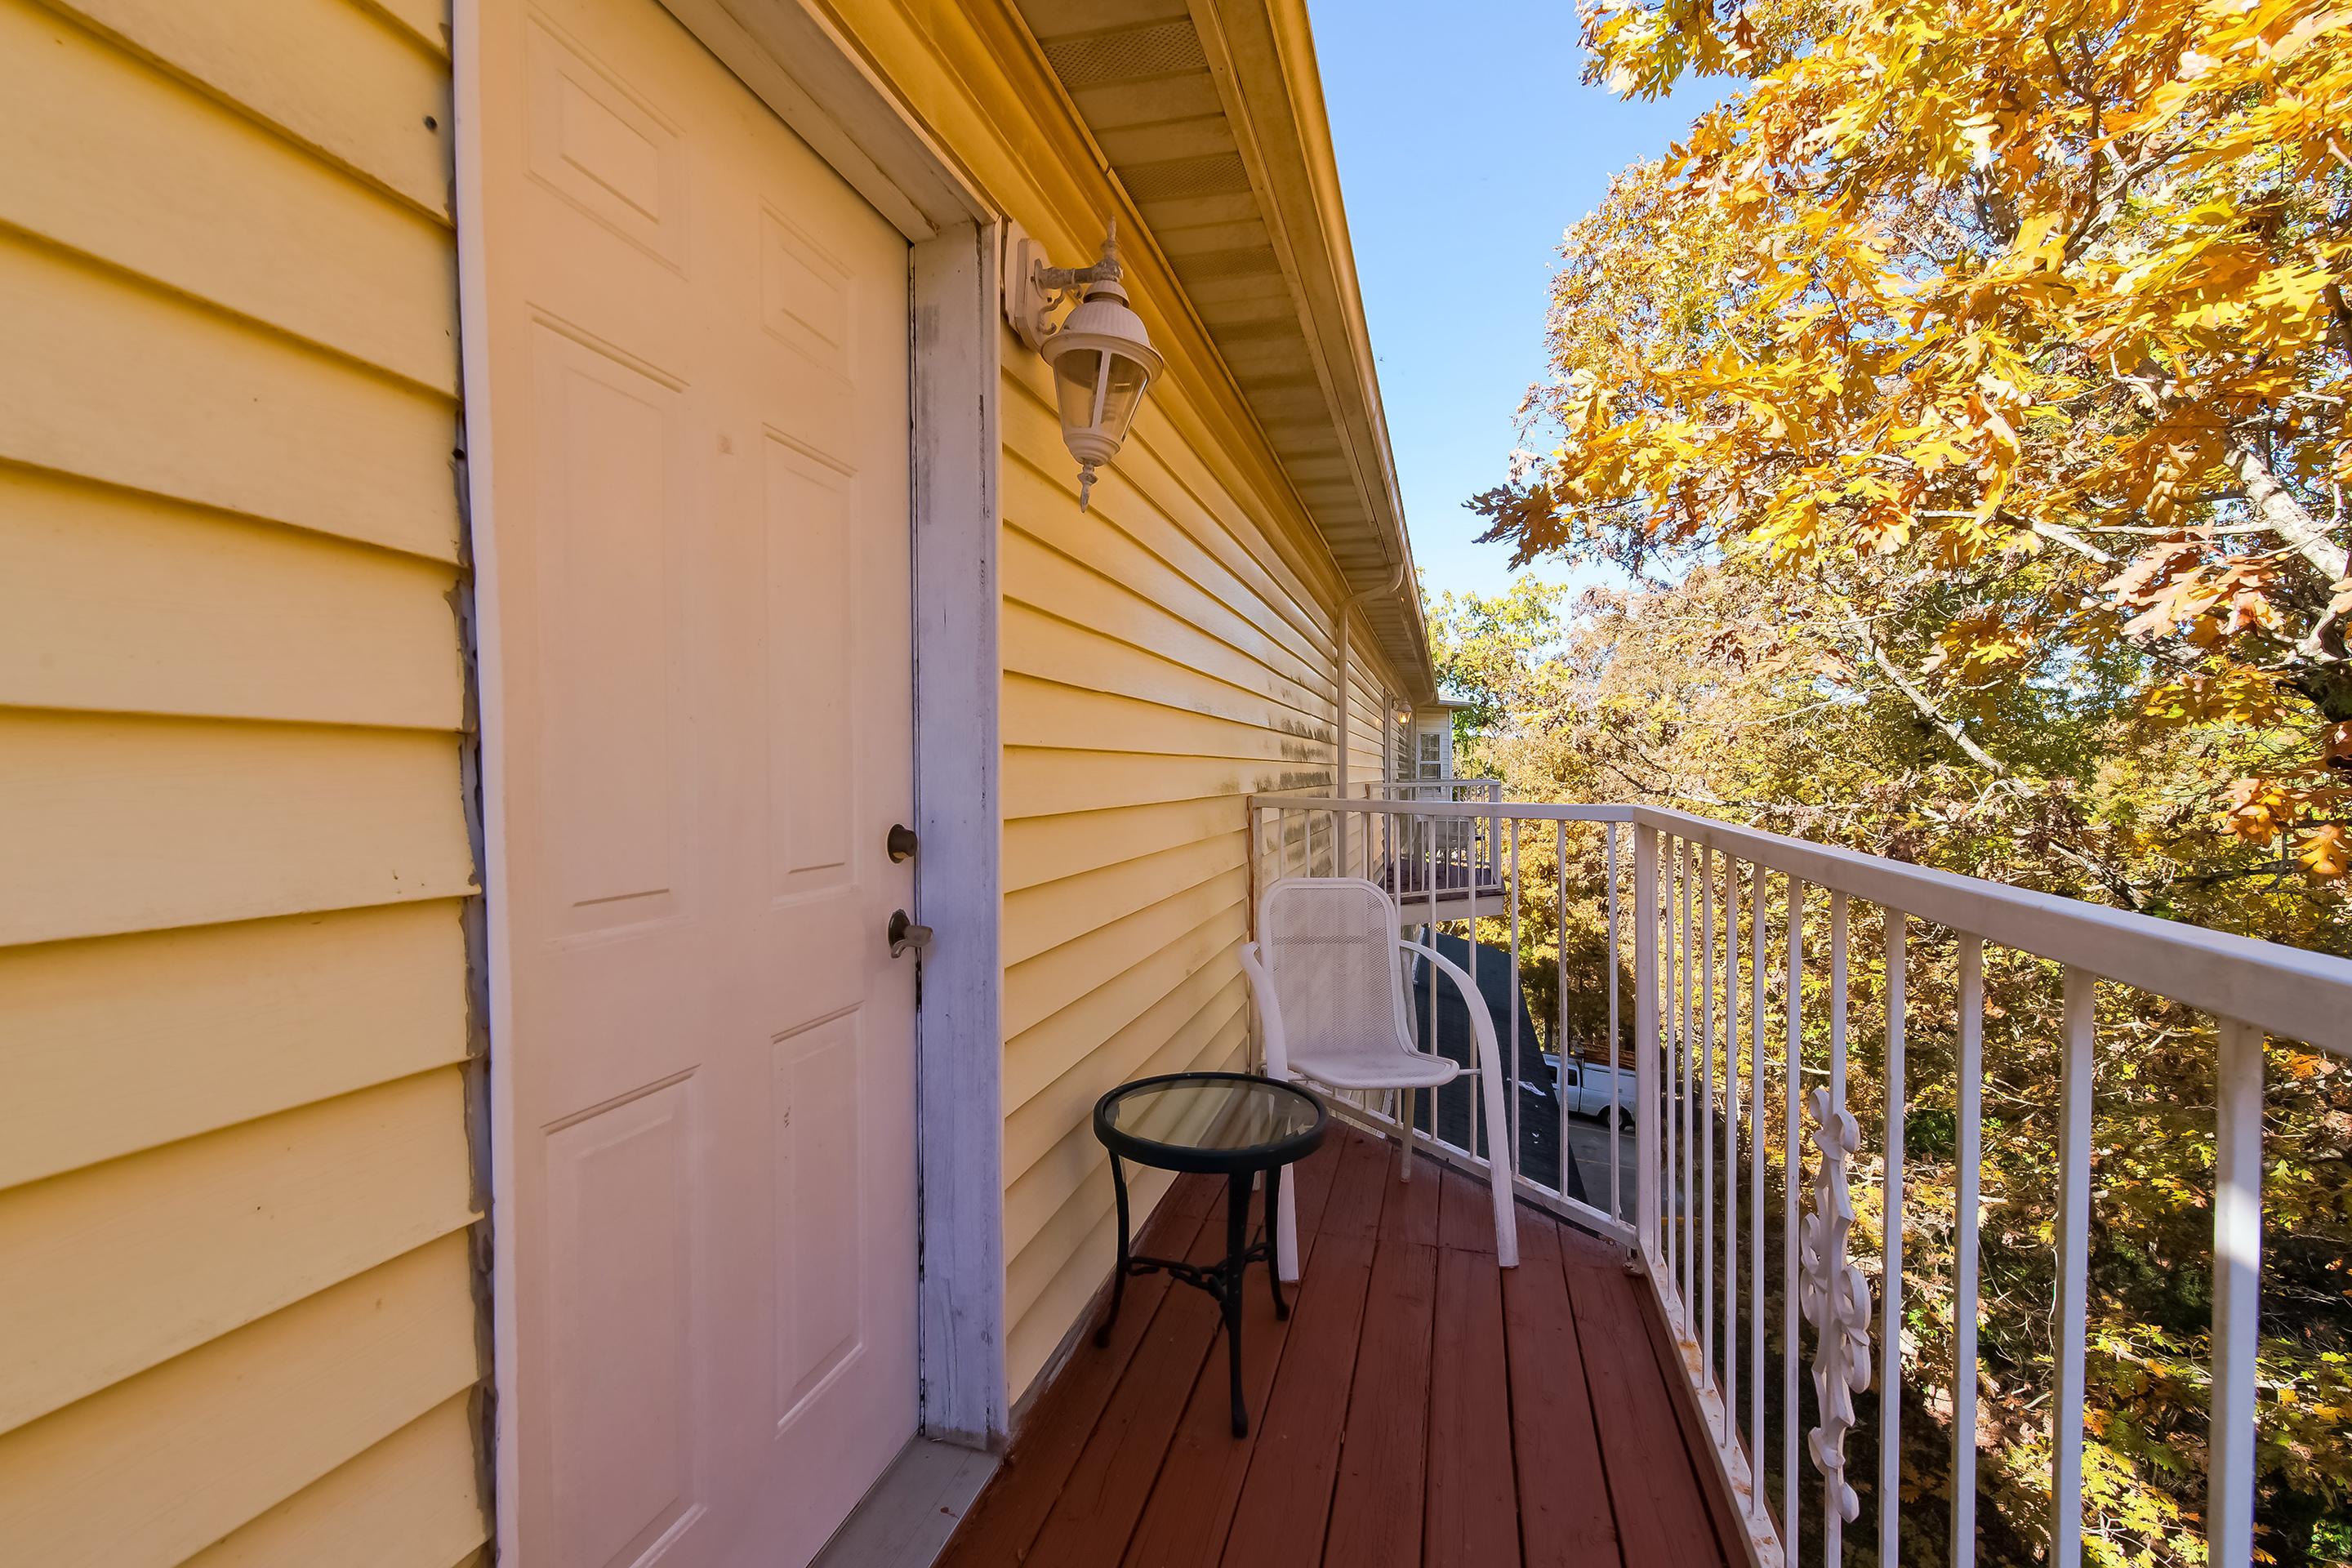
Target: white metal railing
column 1448, row 852
column 1723, row 1087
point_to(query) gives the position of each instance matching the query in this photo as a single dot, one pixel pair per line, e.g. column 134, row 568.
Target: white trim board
column 809, row 77
column 958, row 1024
column 805, row 72
column 500, row 1466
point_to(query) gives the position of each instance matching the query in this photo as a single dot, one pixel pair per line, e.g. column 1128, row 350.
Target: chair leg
column 1501, row 1167
column 1404, row 1134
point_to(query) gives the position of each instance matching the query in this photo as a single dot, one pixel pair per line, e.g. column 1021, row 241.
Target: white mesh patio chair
column 1327, row 976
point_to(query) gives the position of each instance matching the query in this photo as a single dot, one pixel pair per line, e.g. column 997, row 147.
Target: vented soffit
column 1210, row 117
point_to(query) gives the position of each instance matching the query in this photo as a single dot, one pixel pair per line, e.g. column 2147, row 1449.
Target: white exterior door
column 698, row 685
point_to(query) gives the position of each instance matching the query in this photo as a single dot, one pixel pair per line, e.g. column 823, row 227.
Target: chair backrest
column 1329, row 947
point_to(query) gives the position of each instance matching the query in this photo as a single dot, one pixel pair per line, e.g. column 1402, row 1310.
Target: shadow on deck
column 1421, row 1406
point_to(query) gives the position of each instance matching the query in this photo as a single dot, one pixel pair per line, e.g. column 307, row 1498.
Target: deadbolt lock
column 901, row 843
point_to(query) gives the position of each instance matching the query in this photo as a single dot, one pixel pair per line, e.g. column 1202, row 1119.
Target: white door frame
column 815, row 82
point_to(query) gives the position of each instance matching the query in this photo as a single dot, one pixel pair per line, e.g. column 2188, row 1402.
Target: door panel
column 699, row 595
column 620, row 1207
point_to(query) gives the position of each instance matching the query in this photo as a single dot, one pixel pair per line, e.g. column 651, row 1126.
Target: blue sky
column 1467, row 142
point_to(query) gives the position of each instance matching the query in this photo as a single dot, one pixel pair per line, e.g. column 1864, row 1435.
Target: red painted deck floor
column 1421, row 1406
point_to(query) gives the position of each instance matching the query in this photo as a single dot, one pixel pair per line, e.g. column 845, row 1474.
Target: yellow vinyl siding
column 181, row 1032
column 1160, row 661
column 1368, row 677
column 410, row 1499
column 156, row 1468
column 235, row 1182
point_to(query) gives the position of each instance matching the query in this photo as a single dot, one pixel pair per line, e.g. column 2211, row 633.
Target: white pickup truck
column 1585, row 1086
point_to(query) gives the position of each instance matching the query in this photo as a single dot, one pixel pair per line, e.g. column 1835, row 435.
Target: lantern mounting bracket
column 1034, row 289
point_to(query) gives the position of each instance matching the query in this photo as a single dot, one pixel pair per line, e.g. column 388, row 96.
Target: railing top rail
column 2289, row 992
column 1480, row 809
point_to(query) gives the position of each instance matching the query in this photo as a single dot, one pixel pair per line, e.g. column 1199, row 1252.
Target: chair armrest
column 1269, row 1013
column 1482, row 1028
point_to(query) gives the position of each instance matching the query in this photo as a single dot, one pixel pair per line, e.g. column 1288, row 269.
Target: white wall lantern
column 1102, row 358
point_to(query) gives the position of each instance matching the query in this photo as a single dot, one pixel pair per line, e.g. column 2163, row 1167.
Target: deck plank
column 1191, row 1506
column 1366, row 1173
column 1285, row 1501
column 1472, row 1519
column 1465, row 1214
column 1565, row 1519
column 1662, row 1510
column 1376, row 1504
column 1410, row 1212
column 1421, row 1407
column 1009, row 1514
column 1105, row 1494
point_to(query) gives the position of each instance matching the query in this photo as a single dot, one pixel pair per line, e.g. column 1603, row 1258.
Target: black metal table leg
column 1230, row 1125
column 1274, row 1239
column 1117, row 1275
column 1236, row 1265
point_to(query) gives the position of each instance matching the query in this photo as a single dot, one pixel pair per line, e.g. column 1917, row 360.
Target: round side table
column 1232, row 1124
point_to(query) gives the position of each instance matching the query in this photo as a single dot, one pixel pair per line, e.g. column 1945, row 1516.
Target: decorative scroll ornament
column 1835, row 1296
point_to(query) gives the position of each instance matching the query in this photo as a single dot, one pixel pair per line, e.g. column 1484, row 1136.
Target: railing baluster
column 1707, row 1113
column 1645, row 1044
column 1834, row 1485
column 1757, row 1145
column 1559, row 999
column 1793, row 1071
column 1429, row 838
column 1257, row 863
column 1964, row 1255
column 2237, row 1294
column 1730, row 1431
column 1616, row 1059
column 1511, row 1072
column 2074, row 1274
column 1890, row 1323
column 1477, row 982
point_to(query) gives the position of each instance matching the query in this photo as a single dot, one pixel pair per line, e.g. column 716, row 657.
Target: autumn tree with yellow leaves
column 2029, row 319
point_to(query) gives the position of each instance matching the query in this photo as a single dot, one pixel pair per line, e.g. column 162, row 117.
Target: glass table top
column 1206, row 1112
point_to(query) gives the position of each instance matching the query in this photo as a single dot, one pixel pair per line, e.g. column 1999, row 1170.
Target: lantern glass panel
column 1075, row 376
column 1123, row 393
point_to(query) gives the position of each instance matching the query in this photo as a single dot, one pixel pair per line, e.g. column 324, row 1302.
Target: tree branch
column 2285, row 515
column 1952, row 727
column 2072, row 541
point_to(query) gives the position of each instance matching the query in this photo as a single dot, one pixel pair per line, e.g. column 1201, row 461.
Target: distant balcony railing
column 1703, row 951
column 1455, row 858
